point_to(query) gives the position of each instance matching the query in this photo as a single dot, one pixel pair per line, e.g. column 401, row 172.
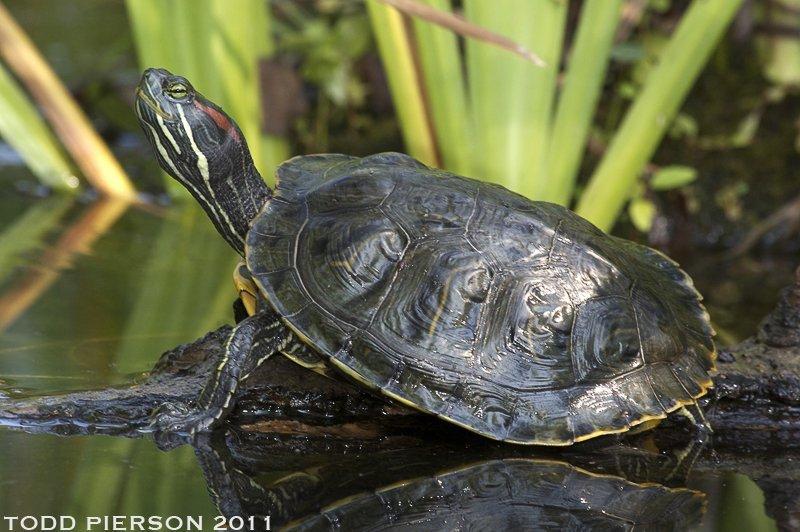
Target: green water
column 87, row 476
column 149, row 283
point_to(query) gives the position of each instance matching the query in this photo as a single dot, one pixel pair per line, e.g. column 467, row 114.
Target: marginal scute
column 518, row 320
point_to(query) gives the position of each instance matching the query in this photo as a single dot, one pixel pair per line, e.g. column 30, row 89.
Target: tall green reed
column 497, row 117
column 24, row 130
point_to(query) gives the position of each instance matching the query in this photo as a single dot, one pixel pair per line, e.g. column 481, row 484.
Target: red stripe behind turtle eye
column 220, row 119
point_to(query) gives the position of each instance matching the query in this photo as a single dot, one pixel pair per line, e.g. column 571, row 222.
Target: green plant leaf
column 511, row 99
column 642, row 212
column 394, row 45
column 583, row 83
column 25, row 131
column 652, row 112
column 445, row 88
column 670, row 177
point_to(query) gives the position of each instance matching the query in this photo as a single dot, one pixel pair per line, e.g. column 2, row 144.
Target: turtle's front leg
column 253, row 340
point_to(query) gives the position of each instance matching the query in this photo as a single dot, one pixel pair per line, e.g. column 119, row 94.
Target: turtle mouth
column 142, row 97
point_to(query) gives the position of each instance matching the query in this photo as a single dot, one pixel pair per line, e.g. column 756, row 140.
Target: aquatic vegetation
column 507, row 121
column 24, row 130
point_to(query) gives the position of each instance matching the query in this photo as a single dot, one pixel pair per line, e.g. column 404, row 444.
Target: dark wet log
column 280, row 398
column 782, row 327
column 757, row 390
column 757, row 397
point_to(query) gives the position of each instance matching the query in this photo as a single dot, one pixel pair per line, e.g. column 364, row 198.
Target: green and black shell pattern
column 518, row 320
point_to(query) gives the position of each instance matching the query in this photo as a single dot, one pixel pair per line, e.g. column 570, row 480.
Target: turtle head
column 199, row 145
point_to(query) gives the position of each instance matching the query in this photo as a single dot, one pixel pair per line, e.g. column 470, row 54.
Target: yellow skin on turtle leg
column 248, row 291
column 692, row 412
column 297, row 351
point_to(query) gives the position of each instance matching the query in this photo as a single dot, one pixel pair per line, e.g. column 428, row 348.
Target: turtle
column 515, row 319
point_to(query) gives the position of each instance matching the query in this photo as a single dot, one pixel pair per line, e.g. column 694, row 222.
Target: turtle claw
column 180, row 420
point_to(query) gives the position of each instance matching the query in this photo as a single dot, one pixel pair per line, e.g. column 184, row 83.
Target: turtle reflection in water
column 420, row 489
column 515, row 319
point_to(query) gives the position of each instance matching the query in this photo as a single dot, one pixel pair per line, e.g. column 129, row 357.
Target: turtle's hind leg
column 688, row 455
column 252, row 341
column 695, row 415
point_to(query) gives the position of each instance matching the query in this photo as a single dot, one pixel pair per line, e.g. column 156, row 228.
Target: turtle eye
column 177, row 90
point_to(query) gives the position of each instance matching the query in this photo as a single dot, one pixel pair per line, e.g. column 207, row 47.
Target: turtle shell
column 516, row 319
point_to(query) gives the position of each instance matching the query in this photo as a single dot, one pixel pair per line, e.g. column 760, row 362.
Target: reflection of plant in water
column 186, row 284
column 77, row 238
column 25, row 234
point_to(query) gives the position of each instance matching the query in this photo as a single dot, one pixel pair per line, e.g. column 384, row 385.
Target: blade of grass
column 441, row 15
column 25, row 131
column 149, row 21
column 782, row 51
column 511, row 98
column 397, row 56
column 89, row 151
column 442, row 69
column 240, row 41
column 194, row 33
column 653, row 110
column 164, row 37
column 583, row 84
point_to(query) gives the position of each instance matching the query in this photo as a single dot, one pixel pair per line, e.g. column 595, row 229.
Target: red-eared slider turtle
column 515, row 319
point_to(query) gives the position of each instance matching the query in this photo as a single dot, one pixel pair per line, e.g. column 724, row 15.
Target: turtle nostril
column 155, row 75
